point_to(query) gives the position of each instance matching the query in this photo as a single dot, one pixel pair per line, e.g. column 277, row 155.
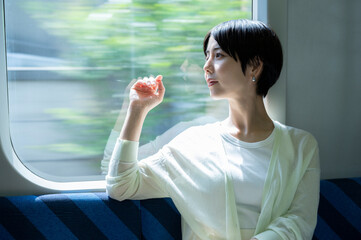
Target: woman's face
column 223, row 74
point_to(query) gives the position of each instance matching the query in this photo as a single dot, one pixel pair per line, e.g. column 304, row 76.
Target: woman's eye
column 216, row 55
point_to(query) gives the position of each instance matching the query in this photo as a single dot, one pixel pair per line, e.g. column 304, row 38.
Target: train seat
column 96, row 216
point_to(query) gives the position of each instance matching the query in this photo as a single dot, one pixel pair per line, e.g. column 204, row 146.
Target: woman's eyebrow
column 214, row 49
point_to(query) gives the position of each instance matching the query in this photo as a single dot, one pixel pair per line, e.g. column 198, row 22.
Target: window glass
column 70, row 62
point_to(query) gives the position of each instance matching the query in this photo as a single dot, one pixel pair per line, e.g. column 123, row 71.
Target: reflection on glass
column 69, row 63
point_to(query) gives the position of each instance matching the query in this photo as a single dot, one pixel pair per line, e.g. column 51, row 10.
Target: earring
column 253, row 79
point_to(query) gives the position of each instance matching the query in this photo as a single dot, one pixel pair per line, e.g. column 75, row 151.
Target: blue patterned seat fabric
column 95, row 216
column 339, row 211
column 87, row 216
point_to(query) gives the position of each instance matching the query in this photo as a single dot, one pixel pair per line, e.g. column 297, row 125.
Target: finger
column 159, row 78
column 159, row 82
column 161, row 88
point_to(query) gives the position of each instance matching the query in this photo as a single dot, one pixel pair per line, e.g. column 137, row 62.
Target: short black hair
column 250, row 42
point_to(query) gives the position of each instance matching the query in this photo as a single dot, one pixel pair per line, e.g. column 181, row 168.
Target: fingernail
column 159, row 78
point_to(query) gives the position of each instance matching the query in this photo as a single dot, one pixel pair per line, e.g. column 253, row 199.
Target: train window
column 69, row 64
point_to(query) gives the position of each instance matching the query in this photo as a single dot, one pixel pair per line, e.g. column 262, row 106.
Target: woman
column 247, row 177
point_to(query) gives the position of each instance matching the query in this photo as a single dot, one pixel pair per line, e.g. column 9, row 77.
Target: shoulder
column 193, row 144
column 297, row 136
column 298, row 144
column 196, row 135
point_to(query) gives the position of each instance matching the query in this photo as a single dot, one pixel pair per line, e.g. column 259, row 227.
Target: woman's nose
column 207, row 65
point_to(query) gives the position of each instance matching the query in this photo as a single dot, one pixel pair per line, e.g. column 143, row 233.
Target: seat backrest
column 339, row 211
column 87, row 216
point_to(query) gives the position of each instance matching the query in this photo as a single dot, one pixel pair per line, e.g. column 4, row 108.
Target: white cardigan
column 193, row 170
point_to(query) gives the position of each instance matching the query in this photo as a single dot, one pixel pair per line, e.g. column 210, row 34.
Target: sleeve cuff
column 126, row 151
column 267, row 235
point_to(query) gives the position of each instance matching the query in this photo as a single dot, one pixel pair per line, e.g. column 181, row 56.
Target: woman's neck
column 248, row 119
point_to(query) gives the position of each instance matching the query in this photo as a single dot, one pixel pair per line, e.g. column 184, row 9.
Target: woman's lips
column 211, row 82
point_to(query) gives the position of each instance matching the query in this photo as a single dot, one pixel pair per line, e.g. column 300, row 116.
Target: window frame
column 6, row 146
column 275, row 15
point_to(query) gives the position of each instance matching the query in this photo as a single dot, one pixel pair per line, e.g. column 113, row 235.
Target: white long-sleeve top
column 248, row 163
column 193, row 170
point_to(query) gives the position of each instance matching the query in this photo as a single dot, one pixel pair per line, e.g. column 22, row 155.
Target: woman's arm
column 125, row 179
column 153, row 146
column 140, row 103
column 299, row 221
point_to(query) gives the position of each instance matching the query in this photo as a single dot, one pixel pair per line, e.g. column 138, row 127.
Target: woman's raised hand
column 146, row 93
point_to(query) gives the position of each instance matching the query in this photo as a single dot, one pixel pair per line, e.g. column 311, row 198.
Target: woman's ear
column 255, row 67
